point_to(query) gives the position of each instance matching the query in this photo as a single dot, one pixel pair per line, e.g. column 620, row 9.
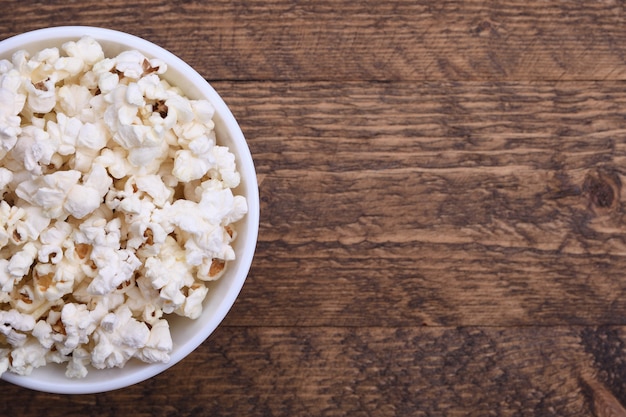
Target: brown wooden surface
column 443, row 227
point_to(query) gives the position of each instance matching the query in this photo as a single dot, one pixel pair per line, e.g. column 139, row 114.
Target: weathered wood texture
column 471, row 204
column 365, row 40
column 556, row 371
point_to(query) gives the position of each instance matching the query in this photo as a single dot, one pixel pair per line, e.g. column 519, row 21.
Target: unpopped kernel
column 117, row 208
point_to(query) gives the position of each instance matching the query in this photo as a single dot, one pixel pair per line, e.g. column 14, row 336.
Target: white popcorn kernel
column 30, row 226
column 6, row 176
column 141, row 301
column 226, row 166
column 194, row 163
column 114, row 160
column 152, row 88
column 52, row 281
column 49, row 191
column 7, row 281
column 15, row 320
column 118, row 338
column 153, row 186
column 33, row 148
column 159, row 344
column 65, row 133
column 204, row 112
column 27, row 357
column 11, row 104
column 134, row 95
column 69, row 66
column 192, row 306
column 73, row 99
column 114, row 267
column 86, row 49
column 53, row 241
column 169, row 273
column 28, row 302
column 81, row 201
column 41, row 96
column 98, row 179
column 77, row 325
column 131, row 64
column 20, row 262
column 77, row 365
column 92, row 136
column 43, row 332
column 5, row 66
column 107, row 82
column 13, row 326
column 180, row 108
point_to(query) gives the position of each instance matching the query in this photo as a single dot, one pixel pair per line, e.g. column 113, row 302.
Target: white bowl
column 187, row 334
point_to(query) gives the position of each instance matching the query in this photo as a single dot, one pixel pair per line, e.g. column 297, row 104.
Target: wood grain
column 366, row 40
column 436, row 203
column 558, row 371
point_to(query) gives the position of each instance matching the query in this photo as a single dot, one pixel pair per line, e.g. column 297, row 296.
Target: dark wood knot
column 602, row 188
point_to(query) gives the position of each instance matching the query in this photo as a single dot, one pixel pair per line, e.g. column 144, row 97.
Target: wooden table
column 442, row 219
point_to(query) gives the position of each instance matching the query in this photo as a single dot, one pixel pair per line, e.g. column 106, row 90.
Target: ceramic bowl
column 187, row 334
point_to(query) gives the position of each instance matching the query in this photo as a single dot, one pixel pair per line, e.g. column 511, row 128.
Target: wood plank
column 436, row 203
column 400, row 40
column 372, row 371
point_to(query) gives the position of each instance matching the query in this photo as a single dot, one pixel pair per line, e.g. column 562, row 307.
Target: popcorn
column 117, row 208
column 159, row 343
column 118, row 338
column 13, row 324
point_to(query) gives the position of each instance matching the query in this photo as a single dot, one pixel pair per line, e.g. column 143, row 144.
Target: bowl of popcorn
column 129, row 211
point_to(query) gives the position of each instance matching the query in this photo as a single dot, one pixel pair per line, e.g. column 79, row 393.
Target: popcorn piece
column 159, row 344
column 13, row 324
column 72, row 99
column 118, row 338
column 78, row 324
column 192, row 306
column 153, row 186
column 130, row 63
column 9, row 218
column 169, row 273
column 91, row 140
column 41, row 96
column 53, row 241
column 26, row 301
column 141, row 301
column 20, row 262
column 51, row 282
column 65, row 133
column 193, row 163
column 86, row 49
column 11, row 104
column 114, row 267
column 31, row 224
column 226, row 166
column 27, row 356
column 49, row 191
column 6, row 177
column 77, row 366
column 34, row 148
column 43, row 332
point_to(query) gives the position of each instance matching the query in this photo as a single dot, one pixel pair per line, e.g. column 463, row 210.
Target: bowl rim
column 249, row 180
